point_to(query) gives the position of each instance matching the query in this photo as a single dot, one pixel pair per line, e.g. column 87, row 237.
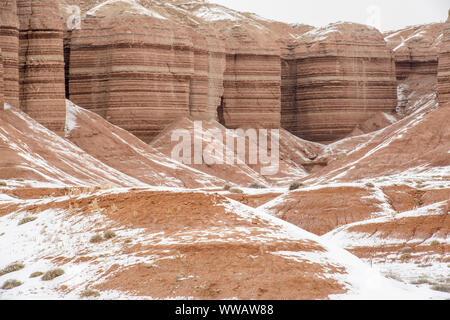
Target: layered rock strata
column 345, row 74
column 136, row 74
column 236, row 68
column 444, row 67
column 41, row 62
column 416, row 49
column 1, row 81
column 9, row 44
column 150, row 71
column 252, row 81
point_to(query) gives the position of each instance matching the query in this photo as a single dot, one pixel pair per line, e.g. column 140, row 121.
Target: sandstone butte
column 85, row 144
column 173, row 59
column 203, row 60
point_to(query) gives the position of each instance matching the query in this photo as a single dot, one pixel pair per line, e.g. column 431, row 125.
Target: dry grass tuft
column 52, row 274
column 36, row 274
column 10, row 284
column 27, row 220
column 90, row 293
column 12, row 268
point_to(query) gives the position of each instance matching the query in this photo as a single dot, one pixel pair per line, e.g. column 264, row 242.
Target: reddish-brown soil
column 225, row 271
column 225, row 262
column 253, row 200
column 404, row 198
column 320, row 211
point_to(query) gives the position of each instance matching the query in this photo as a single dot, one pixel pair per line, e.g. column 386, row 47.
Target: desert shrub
column 90, row 293
column 3, row 184
column 10, row 284
column 256, row 186
column 295, row 186
column 227, row 187
column 370, row 185
column 393, row 276
column 421, row 281
column 36, row 274
column 425, row 265
column 405, row 256
column 109, row 235
column 435, row 243
column 96, row 239
column 26, row 220
column 11, row 268
column 407, row 250
column 441, row 287
column 128, row 241
column 52, row 274
column 236, row 190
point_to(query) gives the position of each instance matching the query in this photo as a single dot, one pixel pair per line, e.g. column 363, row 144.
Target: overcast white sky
column 384, row 14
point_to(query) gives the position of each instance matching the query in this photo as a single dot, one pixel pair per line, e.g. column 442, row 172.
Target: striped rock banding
column 9, row 44
column 345, row 75
column 444, row 67
column 1, row 81
column 416, row 49
column 41, row 62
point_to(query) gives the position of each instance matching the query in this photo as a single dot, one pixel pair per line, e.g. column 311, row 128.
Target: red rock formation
column 206, row 67
column 136, row 74
column 1, row 81
column 444, row 67
column 42, row 91
column 416, row 49
column 345, row 74
column 252, row 81
column 9, row 44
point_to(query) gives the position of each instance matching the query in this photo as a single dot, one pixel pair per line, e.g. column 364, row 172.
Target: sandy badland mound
column 37, row 156
column 168, row 245
column 124, row 152
column 295, row 155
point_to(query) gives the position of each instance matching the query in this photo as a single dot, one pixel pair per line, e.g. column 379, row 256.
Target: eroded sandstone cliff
column 444, row 67
column 9, row 44
column 1, row 81
column 136, row 74
column 416, row 49
column 344, row 74
column 41, row 62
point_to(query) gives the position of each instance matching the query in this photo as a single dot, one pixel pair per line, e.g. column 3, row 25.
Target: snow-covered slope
column 36, row 156
column 212, row 248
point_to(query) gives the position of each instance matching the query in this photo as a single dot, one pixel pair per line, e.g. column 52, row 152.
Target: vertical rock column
column 288, row 93
column 1, row 81
column 41, row 62
column 9, row 44
column 252, row 81
column 198, row 87
column 444, row 67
